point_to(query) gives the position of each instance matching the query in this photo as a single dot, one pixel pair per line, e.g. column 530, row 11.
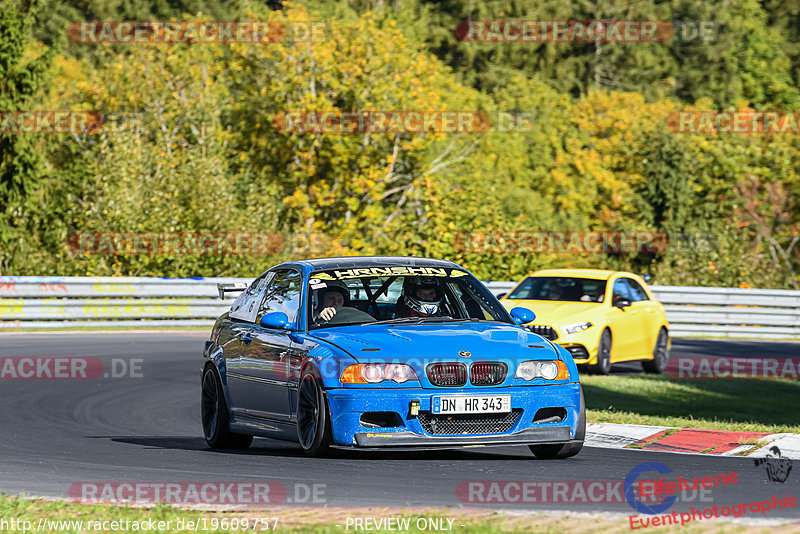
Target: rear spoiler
column 236, row 287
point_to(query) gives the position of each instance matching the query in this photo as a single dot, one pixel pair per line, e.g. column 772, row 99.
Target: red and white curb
column 691, row 440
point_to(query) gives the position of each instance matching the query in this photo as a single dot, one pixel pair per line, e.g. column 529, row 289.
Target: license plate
column 472, row 404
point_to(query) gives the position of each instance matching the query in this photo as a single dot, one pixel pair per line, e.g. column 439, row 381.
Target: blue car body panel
column 330, row 350
column 347, row 405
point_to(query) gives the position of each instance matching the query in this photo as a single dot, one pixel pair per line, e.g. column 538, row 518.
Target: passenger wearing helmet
column 331, row 299
column 420, row 298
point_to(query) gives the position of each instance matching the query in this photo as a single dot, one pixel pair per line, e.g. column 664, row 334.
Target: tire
column 313, row 417
column 603, row 365
column 660, row 355
column 561, row 451
column 215, row 417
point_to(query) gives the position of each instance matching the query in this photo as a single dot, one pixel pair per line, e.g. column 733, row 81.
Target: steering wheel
column 346, row 314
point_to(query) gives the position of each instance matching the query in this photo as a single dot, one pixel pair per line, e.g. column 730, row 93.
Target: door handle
column 246, row 338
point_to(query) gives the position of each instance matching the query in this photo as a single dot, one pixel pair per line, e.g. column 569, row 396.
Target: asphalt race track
column 146, row 428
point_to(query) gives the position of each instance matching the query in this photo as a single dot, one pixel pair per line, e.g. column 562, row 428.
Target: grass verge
column 738, row 405
column 87, row 519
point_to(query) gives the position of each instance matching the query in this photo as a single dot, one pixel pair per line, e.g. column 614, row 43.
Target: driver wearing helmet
column 420, row 298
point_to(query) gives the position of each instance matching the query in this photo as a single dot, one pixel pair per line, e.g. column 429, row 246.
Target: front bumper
column 348, row 405
column 529, row 436
column 581, row 354
column 582, row 345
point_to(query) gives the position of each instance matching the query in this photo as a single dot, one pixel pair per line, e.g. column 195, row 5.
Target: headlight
column 373, row 373
column 576, row 327
column 549, row 370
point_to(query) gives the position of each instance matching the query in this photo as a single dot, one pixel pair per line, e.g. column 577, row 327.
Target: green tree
column 162, row 163
column 358, row 189
column 24, row 72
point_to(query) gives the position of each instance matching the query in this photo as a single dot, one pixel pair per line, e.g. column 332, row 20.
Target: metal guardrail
column 63, row 302
column 733, row 312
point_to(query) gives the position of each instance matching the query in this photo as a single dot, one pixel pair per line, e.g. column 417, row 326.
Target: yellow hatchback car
column 600, row 317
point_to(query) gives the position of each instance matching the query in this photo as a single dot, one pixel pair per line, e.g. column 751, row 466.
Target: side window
column 244, row 307
column 258, row 284
column 283, row 294
column 637, row 291
column 621, row 291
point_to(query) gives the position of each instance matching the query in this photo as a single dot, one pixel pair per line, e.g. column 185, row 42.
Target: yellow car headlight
column 573, row 328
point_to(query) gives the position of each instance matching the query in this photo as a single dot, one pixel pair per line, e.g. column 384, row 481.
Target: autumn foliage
column 193, row 142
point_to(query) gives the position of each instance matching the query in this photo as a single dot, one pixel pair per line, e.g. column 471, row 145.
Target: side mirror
column 500, row 295
column 622, row 303
column 522, row 315
column 276, row 320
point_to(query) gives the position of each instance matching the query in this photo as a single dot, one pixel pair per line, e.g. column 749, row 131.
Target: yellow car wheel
column 603, row 365
column 659, row 362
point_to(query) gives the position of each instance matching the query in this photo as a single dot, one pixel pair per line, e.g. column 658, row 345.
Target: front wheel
column 603, row 365
column 660, row 355
column 313, row 419
column 215, row 417
column 558, row 451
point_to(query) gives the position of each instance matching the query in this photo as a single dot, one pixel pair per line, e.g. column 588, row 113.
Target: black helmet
column 411, row 285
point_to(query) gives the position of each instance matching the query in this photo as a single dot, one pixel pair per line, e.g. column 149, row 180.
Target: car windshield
column 399, row 294
column 566, row 289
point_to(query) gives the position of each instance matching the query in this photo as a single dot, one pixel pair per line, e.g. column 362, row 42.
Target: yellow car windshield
column 567, row 289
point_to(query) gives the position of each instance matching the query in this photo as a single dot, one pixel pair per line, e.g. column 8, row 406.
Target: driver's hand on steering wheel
column 327, row 313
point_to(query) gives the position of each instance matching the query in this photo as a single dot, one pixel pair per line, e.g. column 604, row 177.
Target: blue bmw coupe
column 385, row 353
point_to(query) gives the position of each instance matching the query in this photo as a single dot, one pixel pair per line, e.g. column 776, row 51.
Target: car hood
column 440, row 342
column 555, row 313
